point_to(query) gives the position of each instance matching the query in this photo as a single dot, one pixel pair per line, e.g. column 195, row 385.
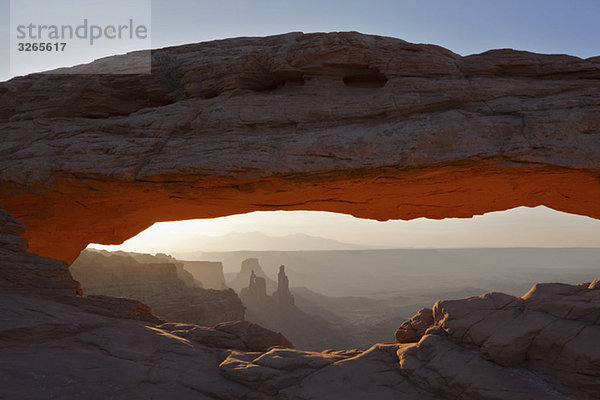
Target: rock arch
column 98, row 158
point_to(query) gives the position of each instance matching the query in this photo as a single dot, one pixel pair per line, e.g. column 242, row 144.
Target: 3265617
column 26, row 46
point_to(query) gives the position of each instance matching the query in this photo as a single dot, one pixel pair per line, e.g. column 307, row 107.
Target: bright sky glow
column 519, row 227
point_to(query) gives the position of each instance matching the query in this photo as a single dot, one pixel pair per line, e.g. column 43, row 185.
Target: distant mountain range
column 258, row 241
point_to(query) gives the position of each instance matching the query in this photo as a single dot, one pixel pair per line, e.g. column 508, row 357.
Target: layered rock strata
column 209, row 273
column 22, row 270
column 160, row 258
column 249, row 267
column 370, row 126
column 157, row 284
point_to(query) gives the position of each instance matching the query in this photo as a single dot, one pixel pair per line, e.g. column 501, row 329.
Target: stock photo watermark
column 50, row 37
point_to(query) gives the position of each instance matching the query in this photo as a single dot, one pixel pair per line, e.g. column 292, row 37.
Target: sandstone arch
column 271, row 123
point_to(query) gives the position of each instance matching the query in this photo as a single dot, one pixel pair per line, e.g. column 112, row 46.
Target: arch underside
column 61, row 223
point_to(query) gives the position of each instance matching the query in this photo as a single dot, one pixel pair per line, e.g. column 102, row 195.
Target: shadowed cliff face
column 370, row 126
column 159, row 282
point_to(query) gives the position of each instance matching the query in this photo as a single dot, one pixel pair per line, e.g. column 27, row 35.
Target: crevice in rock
column 366, row 78
column 271, row 81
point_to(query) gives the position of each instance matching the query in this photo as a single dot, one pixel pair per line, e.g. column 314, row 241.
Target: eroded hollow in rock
column 368, row 78
column 275, row 80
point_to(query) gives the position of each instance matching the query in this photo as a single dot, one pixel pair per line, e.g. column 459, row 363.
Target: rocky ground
column 539, row 346
column 56, row 349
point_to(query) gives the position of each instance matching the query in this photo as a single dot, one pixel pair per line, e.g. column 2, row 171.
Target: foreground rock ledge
column 370, row 126
column 539, row 346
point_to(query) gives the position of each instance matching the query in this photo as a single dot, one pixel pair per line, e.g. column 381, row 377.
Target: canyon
column 161, row 282
column 370, row 126
column 278, row 312
column 541, row 345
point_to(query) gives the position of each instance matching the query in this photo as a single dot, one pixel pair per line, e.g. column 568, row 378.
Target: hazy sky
column 519, row 227
column 464, row 26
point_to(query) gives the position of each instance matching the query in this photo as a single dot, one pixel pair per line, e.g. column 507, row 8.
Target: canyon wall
column 159, row 258
column 22, row 270
column 156, row 284
column 370, row 126
column 249, row 266
column 209, row 273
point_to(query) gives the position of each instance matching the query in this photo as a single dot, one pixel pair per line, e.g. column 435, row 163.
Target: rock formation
column 157, row 284
column 235, row 335
column 64, row 347
column 278, row 313
column 182, row 273
column 548, row 333
column 256, row 292
column 209, row 273
column 243, row 278
column 414, row 329
column 283, row 295
column 22, row 270
column 400, row 130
